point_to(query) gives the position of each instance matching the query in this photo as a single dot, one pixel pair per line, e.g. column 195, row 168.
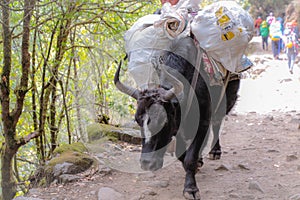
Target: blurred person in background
column 290, row 40
column 257, row 24
column 270, row 18
column 275, row 32
column 264, row 32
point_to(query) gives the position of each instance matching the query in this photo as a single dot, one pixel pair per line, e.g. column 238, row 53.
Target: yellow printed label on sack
column 227, row 36
column 223, row 20
column 219, row 12
column 221, row 16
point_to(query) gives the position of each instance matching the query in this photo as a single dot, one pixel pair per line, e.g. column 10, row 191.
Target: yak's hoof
column 215, row 155
column 191, row 194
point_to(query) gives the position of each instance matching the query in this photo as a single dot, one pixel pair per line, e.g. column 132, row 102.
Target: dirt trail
column 261, row 153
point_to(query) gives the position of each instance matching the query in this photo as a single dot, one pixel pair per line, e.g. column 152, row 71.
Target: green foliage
column 43, row 182
column 99, row 63
column 0, row 182
column 27, row 160
column 94, row 43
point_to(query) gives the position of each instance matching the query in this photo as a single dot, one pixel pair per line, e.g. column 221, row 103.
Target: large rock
column 69, row 160
column 98, row 131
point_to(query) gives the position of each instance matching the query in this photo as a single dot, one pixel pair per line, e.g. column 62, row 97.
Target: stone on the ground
column 222, row 167
column 158, row 184
column 106, row 193
column 67, row 178
column 234, row 196
column 295, row 197
column 291, row 157
column 243, row 166
column 149, row 192
column 255, row 186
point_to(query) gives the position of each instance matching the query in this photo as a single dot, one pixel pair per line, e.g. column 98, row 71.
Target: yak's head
column 156, row 114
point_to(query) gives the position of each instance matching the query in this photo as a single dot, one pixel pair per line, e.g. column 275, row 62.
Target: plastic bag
column 224, row 29
column 145, row 42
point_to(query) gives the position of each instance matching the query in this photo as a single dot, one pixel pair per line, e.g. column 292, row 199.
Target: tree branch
column 26, row 139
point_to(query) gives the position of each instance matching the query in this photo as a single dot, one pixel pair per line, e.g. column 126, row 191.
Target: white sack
column 224, row 29
column 144, row 43
column 191, row 6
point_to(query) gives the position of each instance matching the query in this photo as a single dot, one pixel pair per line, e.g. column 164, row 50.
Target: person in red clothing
column 172, row 2
column 295, row 28
column 257, row 23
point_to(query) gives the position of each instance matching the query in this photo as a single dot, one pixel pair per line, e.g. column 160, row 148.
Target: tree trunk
column 11, row 118
column 34, row 89
column 44, row 98
column 77, row 104
column 64, row 31
column 8, row 184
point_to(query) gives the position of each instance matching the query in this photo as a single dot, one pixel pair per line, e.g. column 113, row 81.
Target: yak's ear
column 124, row 88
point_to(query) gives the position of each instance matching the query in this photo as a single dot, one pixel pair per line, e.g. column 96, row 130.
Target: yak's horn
column 124, row 88
column 176, row 89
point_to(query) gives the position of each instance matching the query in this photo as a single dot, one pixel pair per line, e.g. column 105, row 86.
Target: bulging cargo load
column 224, row 29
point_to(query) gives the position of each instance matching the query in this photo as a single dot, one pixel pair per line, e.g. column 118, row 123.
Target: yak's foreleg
column 190, row 163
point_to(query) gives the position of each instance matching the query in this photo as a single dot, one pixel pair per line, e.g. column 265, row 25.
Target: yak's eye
column 140, row 115
column 139, row 119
